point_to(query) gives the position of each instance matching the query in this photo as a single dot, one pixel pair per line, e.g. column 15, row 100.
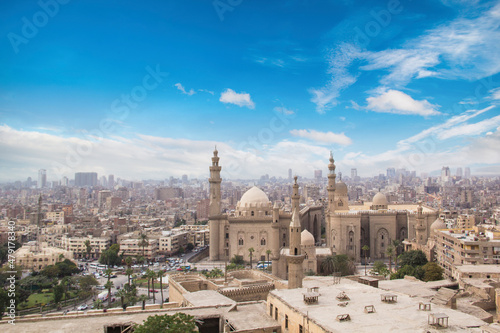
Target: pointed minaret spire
column 214, row 207
column 331, row 184
column 295, row 257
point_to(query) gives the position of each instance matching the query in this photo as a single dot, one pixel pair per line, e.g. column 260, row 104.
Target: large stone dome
column 254, row 203
column 380, row 200
column 306, row 238
column 253, row 197
column 438, row 224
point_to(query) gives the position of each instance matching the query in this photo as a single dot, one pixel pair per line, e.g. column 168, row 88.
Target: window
column 271, row 309
column 252, row 213
column 263, row 241
column 240, row 241
column 286, row 321
column 227, row 235
column 301, row 330
column 275, row 313
column 295, row 251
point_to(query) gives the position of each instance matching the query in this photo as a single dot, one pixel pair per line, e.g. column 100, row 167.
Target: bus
column 264, row 264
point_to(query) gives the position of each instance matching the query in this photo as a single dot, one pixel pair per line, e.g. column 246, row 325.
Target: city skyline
column 146, row 91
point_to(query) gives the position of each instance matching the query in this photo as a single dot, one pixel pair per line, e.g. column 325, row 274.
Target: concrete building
column 456, row 247
column 130, row 247
column 55, row 217
column 166, row 193
column 171, row 244
column 76, row 245
column 30, row 256
column 42, row 178
column 86, row 179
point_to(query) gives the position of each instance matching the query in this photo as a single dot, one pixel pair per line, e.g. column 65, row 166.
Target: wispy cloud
column 284, row 110
column 240, row 99
column 470, row 129
column 339, row 60
column 495, row 94
column 394, row 101
column 322, row 137
column 183, row 90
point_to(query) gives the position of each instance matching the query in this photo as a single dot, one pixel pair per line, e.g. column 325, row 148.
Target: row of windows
column 241, row 241
column 301, row 330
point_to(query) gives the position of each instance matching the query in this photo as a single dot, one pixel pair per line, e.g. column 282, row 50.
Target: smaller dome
column 341, row 188
column 438, row 224
column 380, row 200
column 306, row 238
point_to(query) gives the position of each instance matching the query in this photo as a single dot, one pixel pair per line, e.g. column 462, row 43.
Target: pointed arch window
column 240, row 241
column 263, row 241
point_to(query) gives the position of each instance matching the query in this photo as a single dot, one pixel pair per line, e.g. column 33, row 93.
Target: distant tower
column 214, row 206
column 111, row 181
column 331, row 185
column 274, row 241
column 459, row 172
column 295, row 257
column 290, row 174
column 42, row 178
column 467, row 172
column 354, row 173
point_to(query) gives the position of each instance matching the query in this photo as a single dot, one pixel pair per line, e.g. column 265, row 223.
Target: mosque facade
column 267, row 228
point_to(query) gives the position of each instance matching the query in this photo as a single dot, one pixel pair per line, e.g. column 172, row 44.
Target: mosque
column 269, row 230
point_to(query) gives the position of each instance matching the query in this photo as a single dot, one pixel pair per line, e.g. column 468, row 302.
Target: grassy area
column 144, row 283
column 43, row 298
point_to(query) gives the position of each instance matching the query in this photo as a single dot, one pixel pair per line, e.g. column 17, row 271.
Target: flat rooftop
column 478, row 269
column 401, row 316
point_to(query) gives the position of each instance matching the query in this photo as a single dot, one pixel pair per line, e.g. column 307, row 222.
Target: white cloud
column 240, row 99
column 495, row 94
column 207, row 91
column 470, row 129
column 394, row 101
column 322, row 137
column 339, row 60
column 181, row 88
column 284, row 110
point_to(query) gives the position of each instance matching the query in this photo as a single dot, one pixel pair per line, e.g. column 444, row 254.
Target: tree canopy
column 176, row 323
column 412, row 258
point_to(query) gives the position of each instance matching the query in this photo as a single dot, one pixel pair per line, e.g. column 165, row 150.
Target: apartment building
column 76, row 245
column 130, row 247
column 55, row 217
column 456, row 247
column 171, row 243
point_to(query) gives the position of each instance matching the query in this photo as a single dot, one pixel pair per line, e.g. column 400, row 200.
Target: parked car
column 153, row 291
column 83, row 307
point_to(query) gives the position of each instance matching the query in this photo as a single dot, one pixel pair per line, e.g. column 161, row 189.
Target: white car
column 83, row 307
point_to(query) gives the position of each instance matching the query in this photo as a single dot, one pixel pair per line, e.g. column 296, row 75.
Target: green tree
column 88, row 248
column 412, row 258
column 237, row 260
column 108, row 286
column 176, row 323
column 396, row 243
column 432, row 272
column 160, row 276
column 390, row 253
column 152, row 276
column 143, row 242
column 4, row 301
column 416, row 271
column 338, row 263
column 365, row 249
column 268, row 253
column 143, row 299
column 58, row 293
column 380, row 268
column 189, row 246
column 250, row 254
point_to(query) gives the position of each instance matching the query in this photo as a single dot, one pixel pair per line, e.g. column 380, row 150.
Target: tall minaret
column 331, row 185
column 214, row 206
column 295, row 195
column 295, row 257
column 420, row 228
column 274, row 240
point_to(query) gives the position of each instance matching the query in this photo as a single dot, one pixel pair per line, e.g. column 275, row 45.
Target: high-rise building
column 459, row 172
column 445, row 174
column 467, row 172
column 318, row 174
column 289, row 174
column 111, row 181
column 354, row 173
column 85, row 179
column 184, row 179
column 42, row 178
column 104, row 181
column 391, row 173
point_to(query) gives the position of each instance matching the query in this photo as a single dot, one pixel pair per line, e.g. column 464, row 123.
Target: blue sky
column 146, row 90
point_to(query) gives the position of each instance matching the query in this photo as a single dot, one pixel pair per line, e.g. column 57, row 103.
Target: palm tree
column 152, row 276
column 251, row 251
column 160, row 276
column 122, row 294
column 365, row 248
column 268, row 252
column 396, row 243
column 143, row 299
column 88, row 248
column 328, row 265
column 143, row 242
column 108, row 286
column 390, row 253
column 129, row 272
